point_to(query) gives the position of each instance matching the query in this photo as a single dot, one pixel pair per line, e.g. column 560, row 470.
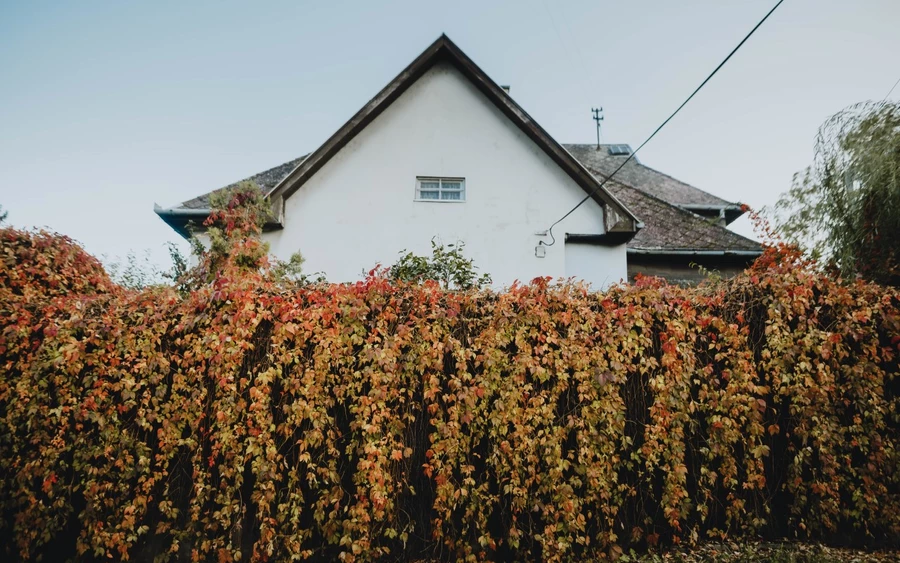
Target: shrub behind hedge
column 367, row 421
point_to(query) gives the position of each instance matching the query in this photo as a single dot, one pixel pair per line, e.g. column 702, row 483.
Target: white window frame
column 440, row 180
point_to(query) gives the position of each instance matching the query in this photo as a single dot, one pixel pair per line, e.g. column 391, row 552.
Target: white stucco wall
column 601, row 266
column 358, row 210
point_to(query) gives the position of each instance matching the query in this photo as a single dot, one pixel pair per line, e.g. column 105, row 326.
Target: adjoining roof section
column 266, row 180
column 672, row 230
column 654, row 183
column 197, row 209
column 619, row 218
column 676, row 231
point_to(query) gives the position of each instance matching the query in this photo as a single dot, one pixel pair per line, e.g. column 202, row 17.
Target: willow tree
column 845, row 208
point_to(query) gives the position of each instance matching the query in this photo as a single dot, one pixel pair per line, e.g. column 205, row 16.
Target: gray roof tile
column 667, row 227
column 265, row 180
column 642, row 177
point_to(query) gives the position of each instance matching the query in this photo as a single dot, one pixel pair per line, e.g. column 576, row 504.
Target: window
column 441, row 189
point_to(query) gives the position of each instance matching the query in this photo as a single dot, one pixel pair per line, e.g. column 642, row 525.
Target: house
column 444, row 152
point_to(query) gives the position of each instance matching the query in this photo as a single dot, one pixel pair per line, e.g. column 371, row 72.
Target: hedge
column 253, row 420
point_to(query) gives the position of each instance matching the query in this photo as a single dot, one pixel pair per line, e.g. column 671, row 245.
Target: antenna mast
column 598, row 117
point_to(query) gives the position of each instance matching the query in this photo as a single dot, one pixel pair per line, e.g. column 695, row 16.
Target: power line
column 565, row 46
column 888, row 95
column 658, row 129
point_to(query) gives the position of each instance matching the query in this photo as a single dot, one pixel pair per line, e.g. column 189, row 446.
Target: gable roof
column 444, row 50
column 653, row 182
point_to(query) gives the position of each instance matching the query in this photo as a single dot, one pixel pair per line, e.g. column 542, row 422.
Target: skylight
column 619, row 150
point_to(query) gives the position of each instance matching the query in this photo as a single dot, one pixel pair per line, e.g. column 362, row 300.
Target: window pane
column 440, row 189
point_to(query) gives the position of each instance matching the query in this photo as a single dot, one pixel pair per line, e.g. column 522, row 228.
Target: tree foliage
column 247, row 420
column 248, row 211
column 845, row 208
column 447, row 265
column 290, row 269
column 233, row 231
column 140, row 271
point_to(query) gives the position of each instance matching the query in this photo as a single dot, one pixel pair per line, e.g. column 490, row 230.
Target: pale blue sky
column 108, row 107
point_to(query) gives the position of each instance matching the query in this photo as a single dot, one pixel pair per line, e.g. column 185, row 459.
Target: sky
column 109, row 107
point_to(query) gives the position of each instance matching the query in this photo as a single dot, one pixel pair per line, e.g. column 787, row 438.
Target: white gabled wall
column 358, row 210
column 602, row 266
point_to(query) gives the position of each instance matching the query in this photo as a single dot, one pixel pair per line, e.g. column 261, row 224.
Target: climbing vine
column 250, row 420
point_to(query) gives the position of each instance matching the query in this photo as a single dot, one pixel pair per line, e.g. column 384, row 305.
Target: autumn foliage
column 252, row 420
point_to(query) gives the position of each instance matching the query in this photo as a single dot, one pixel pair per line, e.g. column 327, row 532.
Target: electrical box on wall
column 540, row 251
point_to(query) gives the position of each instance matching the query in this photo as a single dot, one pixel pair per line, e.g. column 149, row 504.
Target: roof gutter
column 709, row 207
column 179, row 219
column 174, row 212
column 613, row 238
column 695, row 252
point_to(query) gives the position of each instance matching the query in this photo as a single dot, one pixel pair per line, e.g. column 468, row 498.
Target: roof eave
column 693, row 252
column 182, row 220
column 605, row 239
